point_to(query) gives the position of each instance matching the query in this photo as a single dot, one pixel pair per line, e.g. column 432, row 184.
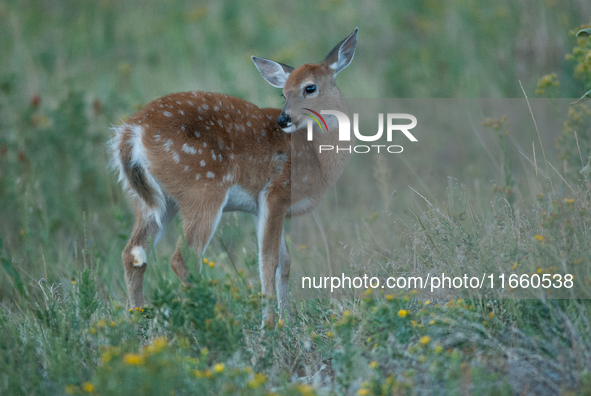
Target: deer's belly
column 240, row 201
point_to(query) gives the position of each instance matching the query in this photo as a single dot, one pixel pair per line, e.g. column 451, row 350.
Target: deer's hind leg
column 134, row 255
column 201, row 211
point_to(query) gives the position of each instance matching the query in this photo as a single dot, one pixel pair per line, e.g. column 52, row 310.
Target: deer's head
column 310, row 86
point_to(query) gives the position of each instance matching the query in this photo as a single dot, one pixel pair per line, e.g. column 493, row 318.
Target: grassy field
column 473, row 195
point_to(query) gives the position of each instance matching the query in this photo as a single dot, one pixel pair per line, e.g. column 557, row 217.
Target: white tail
column 208, row 153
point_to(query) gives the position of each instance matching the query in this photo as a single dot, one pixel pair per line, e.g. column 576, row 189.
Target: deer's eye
column 310, row 88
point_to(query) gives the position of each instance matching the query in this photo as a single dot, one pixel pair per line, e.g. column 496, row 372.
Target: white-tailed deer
column 207, row 153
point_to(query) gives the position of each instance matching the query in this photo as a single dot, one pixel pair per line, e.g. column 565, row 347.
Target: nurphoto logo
column 345, row 131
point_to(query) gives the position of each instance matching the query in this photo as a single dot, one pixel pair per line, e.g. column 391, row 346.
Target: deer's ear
column 342, row 54
column 274, row 72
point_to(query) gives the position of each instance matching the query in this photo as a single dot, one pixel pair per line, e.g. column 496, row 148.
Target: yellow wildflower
column 211, row 264
column 425, row 340
column 219, row 368
column 106, row 356
column 88, row 387
column 330, row 334
column 159, row 343
column 402, row 313
column 259, row 379
column 363, row 392
column 389, row 297
column 539, row 238
column 374, row 365
column 133, row 359
column 306, row 390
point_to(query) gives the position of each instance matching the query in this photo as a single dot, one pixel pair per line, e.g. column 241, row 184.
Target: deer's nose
column 284, row 120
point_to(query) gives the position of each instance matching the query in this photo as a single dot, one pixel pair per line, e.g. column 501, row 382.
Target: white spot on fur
column 139, row 256
column 187, row 168
column 197, row 134
column 198, row 176
column 202, row 163
column 213, row 155
column 210, row 175
column 175, row 157
column 167, row 113
column 167, row 145
column 204, row 144
column 181, row 112
column 189, row 149
column 183, row 127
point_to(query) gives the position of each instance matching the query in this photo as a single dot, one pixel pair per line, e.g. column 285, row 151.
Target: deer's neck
column 332, row 162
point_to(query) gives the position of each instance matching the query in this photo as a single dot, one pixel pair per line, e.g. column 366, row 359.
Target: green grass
column 70, row 70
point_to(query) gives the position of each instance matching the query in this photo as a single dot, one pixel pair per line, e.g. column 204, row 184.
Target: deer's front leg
column 283, row 279
column 269, row 231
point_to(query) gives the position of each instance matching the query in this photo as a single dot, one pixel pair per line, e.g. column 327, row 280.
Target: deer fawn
column 207, row 153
